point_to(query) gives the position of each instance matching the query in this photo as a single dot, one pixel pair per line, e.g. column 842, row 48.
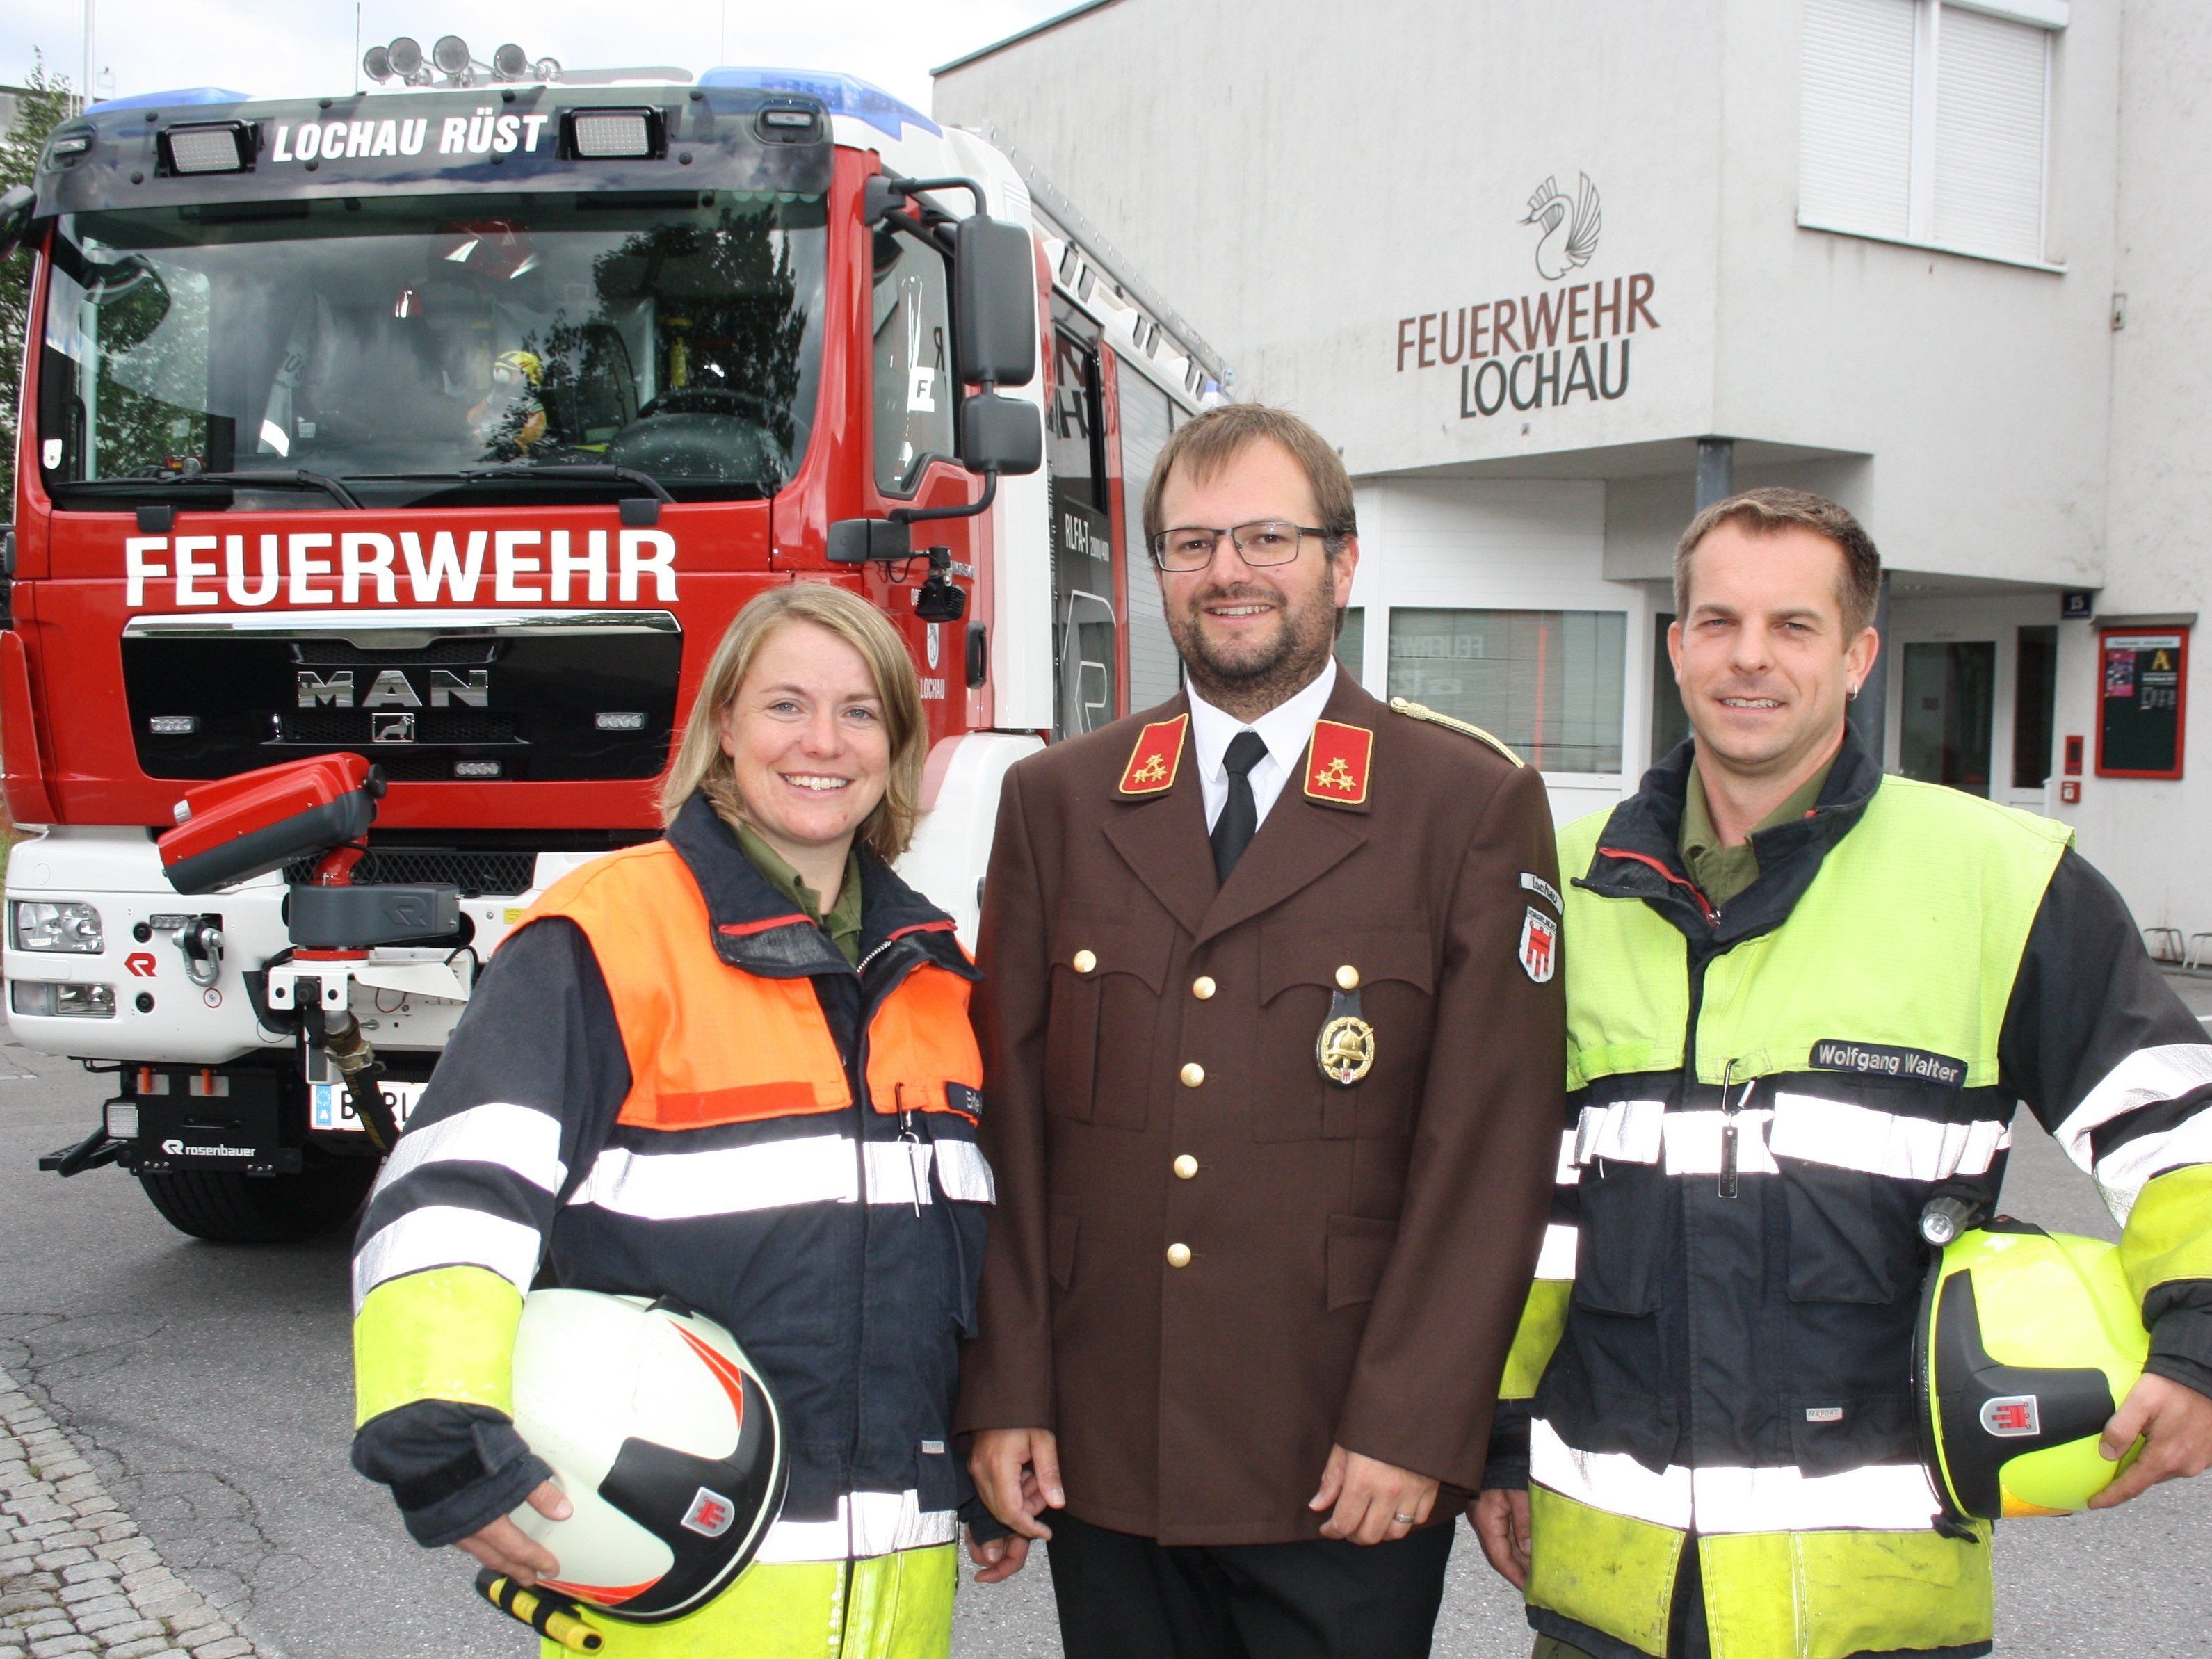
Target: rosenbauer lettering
column 370, row 568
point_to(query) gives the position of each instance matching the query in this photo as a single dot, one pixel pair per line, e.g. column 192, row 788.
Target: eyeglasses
column 1265, row 541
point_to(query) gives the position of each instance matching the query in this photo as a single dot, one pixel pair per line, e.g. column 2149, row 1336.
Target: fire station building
column 1554, row 276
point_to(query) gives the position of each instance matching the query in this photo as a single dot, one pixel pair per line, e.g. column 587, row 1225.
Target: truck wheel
column 230, row 1208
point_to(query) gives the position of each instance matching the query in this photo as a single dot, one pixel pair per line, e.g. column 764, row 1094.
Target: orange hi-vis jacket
column 684, row 1089
column 706, row 1046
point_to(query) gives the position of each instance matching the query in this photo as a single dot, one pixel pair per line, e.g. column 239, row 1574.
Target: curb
column 76, row 1575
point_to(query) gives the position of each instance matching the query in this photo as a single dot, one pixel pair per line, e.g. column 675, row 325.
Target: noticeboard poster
column 2142, row 698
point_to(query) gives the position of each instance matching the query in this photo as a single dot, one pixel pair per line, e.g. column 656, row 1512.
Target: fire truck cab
column 449, row 425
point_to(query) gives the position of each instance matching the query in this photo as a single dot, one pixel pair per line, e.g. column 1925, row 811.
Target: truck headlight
column 55, row 925
column 55, row 1000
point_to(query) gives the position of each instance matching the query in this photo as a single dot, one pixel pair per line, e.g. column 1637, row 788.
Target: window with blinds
column 1928, row 121
column 1549, row 682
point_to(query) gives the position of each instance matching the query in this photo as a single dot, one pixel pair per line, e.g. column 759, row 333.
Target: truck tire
column 230, row 1208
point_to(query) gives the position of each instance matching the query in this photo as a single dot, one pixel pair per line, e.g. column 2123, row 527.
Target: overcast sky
column 275, row 48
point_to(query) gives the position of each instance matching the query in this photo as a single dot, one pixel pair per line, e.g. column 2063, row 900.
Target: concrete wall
column 1300, row 180
column 1980, row 388
column 1348, row 172
column 2152, row 838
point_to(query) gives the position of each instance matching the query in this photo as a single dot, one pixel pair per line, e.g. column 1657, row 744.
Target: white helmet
column 665, row 1439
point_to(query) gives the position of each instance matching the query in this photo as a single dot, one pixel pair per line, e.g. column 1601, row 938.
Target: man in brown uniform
column 1272, row 1031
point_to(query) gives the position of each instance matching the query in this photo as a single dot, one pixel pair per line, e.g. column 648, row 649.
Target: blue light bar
column 841, row 95
column 182, row 95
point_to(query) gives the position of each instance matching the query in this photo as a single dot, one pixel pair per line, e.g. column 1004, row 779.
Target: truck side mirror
column 17, row 203
column 995, row 303
column 1001, row 434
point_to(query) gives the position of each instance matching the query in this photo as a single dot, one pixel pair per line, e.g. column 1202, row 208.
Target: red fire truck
column 448, row 426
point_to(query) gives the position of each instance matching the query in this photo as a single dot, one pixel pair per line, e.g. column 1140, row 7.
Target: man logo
column 2012, row 1417
column 393, row 690
column 392, row 728
column 710, row 1514
column 1570, row 233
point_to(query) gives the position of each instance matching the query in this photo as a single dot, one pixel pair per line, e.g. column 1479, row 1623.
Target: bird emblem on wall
column 1569, row 228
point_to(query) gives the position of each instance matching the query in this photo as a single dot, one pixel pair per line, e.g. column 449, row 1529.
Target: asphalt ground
column 210, row 1388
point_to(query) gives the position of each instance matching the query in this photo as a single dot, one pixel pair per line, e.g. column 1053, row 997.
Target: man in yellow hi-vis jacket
column 1803, row 998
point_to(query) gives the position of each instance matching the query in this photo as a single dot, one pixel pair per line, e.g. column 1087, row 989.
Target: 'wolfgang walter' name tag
column 1872, row 1060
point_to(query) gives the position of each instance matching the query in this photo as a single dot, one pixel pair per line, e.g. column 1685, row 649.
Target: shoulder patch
column 1336, row 762
column 1157, row 758
column 1422, row 711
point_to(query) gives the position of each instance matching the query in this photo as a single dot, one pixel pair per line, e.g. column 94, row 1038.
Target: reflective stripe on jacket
column 1760, row 1102
column 670, row 1084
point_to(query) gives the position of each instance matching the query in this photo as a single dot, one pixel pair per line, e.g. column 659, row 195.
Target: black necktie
column 1240, row 814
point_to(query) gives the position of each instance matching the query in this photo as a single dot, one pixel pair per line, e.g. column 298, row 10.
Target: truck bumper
column 153, row 1011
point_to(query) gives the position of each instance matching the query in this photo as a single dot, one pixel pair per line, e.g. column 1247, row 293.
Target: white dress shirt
column 1285, row 729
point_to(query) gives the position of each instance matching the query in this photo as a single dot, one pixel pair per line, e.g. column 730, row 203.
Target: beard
column 1247, row 677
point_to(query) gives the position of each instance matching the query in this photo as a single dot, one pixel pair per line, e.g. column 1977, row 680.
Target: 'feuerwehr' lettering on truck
column 367, row 567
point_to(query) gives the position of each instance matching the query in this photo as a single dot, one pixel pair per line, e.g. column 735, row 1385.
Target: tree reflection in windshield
column 678, row 335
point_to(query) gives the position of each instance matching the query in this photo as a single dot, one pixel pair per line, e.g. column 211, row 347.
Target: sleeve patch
column 1539, row 938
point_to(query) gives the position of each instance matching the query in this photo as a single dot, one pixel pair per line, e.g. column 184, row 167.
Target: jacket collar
column 1163, row 837
column 754, row 928
column 1639, row 854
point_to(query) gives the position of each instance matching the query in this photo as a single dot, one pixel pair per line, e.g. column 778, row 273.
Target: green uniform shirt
column 842, row 923
column 1722, row 872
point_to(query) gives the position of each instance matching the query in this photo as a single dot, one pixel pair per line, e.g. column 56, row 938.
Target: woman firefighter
column 730, row 1068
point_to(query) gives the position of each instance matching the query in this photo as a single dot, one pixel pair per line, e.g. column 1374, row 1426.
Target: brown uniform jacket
column 1358, row 1257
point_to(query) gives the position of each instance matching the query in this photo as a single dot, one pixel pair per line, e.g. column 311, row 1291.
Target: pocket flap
column 1358, row 1249
column 1622, row 1238
column 1379, row 949
column 1094, row 947
column 1831, row 1433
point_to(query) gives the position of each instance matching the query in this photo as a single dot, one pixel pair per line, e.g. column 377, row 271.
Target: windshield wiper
column 290, row 478
column 582, row 472
column 568, row 471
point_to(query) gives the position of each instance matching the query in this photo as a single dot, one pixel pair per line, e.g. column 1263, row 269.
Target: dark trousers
column 1125, row 1597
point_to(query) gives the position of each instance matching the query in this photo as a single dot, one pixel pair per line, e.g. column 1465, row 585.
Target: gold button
column 1203, row 986
column 1085, row 960
column 1186, row 1166
column 1347, row 978
column 1193, row 1075
column 1178, row 1255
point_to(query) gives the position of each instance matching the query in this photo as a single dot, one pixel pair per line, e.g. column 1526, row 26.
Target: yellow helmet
column 518, row 365
column 2027, row 1342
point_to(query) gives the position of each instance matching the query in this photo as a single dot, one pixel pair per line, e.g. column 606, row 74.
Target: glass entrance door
column 1950, row 690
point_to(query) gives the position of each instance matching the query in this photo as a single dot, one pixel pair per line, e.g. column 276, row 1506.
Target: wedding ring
column 1403, row 1520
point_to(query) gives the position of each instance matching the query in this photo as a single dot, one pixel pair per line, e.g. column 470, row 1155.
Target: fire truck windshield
column 394, row 343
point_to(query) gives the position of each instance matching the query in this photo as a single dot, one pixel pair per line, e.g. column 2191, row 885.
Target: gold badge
column 1346, row 1050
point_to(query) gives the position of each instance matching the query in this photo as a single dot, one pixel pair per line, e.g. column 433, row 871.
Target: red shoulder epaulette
column 1157, row 758
column 1336, row 764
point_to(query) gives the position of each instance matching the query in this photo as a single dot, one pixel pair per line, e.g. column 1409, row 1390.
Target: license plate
column 331, row 1107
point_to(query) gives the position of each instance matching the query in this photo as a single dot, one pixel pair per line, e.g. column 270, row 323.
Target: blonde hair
column 700, row 766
